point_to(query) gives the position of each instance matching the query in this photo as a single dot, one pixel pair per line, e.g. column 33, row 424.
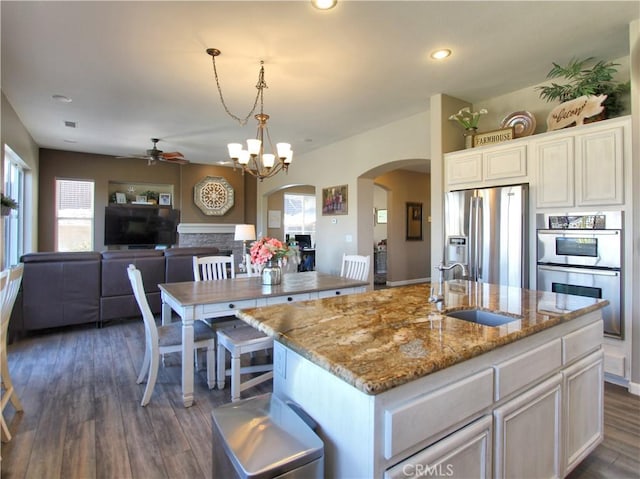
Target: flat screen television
column 140, row 225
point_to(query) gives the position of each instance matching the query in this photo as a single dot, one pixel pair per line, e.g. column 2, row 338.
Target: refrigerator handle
column 473, row 238
column 479, row 236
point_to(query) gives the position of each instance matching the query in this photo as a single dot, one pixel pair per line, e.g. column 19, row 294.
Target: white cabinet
column 465, row 453
column 582, row 167
column 487, row 166
column 599, row 168
column 583, row 391
column 555, row 172
column 528, row 433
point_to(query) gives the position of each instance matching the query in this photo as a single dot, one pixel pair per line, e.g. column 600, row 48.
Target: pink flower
column 266, row 249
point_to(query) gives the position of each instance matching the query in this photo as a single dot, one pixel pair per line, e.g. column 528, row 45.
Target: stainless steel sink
column 481, row 316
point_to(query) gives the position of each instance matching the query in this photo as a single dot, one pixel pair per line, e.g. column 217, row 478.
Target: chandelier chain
column 260, row 86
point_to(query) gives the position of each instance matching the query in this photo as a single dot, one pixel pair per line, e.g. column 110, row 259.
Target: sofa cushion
column 60, row 289
column 179, row 262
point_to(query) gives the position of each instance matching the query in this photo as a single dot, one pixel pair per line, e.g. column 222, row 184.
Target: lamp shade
column 245, row 233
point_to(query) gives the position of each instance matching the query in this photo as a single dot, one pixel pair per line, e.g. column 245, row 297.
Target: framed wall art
column 381, row 216
column 414, row 221
column 335, row 200
column 164, row 199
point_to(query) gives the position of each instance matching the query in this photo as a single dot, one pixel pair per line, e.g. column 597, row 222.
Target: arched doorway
column 408, row 259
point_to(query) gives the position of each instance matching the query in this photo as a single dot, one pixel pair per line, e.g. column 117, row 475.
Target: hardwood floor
column 82, row 415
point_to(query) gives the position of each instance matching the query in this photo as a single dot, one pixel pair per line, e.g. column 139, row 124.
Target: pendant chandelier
column 254, row 160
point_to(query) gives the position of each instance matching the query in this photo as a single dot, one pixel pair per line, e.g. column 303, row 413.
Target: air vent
column 70, row 124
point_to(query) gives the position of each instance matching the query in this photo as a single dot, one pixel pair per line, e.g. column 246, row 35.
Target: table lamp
column 244, row 233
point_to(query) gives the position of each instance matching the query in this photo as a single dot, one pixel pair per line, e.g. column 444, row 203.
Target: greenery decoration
column 581, row 80
column 8, row 202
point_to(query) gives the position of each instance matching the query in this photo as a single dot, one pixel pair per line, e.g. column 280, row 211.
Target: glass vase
column 271, row 273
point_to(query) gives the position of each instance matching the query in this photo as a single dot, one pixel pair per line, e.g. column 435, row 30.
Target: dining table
column 200, row 300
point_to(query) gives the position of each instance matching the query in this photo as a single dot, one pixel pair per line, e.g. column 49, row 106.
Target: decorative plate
column 213, row 195
column 523, row 123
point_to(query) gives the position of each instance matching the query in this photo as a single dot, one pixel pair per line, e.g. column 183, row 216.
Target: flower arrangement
column 267, row 249
column 468, row 119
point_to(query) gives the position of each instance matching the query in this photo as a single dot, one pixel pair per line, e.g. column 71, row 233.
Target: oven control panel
column 601, row 220
column 583, row 222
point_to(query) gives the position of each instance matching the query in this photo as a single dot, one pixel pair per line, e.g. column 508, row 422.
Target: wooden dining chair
column 355, row 267
column 207, row 268
column 9, row 286
column 161, row 340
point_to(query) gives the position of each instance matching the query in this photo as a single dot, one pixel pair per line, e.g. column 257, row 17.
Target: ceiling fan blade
column 172, row 155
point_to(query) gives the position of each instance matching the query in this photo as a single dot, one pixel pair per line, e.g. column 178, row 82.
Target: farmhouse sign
column 575, row 111
column 492, row 137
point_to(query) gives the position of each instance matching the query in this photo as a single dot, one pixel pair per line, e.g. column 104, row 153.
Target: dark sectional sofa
column 63, row 289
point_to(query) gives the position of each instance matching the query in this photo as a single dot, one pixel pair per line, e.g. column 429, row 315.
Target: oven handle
column 564, row 269
column 578, row 232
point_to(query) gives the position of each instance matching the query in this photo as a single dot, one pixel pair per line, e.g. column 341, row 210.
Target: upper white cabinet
column 599, row 167
column 583, row 166
column 487, row 166
column 555, row 172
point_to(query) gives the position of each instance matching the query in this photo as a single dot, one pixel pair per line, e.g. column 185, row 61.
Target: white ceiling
column 137, row 70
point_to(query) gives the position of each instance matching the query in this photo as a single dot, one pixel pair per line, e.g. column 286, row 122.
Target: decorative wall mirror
column 414, row 221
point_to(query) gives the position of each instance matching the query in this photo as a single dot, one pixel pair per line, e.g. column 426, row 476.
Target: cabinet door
column 555, row 172
column 599, row 168
column 505, row 163
column 465, row 453
column 528, row 435
column 583, row 390
column 464, row 169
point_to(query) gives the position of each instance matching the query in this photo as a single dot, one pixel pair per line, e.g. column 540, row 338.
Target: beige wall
column 104, row 169
column 355, row 161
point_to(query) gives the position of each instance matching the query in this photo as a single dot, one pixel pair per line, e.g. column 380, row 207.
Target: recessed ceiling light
column 324, row 4
column 61, row 98
column 441, row 54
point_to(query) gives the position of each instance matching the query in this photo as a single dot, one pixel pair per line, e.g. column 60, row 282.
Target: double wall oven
column 581, row 254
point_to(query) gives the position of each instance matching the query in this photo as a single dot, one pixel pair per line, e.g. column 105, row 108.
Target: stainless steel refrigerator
column 486, row 229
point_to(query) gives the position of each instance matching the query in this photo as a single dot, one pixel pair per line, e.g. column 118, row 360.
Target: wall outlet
column 348, row 238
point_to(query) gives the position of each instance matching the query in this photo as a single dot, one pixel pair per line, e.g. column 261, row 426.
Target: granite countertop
column 381, row 339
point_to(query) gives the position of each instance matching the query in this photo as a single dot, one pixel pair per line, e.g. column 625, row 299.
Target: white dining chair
column 239, row 341
column 355, row 267
column 161, row 340
column 9, row 286
column 207, row 268
column 252, row 269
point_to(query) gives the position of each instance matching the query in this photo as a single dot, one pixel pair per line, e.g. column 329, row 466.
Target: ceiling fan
column 154, row 155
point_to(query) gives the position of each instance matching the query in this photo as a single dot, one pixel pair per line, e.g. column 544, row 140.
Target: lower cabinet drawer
column 288, row 299
column 527, row 367
column 229, row 307
column 336, row 292
column 407, row 424
column 581, row 342
column 465, row 453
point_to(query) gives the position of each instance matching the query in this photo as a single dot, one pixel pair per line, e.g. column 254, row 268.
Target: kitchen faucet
column 439, row 298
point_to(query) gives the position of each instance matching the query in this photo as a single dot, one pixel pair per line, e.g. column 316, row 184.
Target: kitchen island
column 399, row 388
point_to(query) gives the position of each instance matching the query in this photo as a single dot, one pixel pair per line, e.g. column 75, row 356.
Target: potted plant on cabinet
column 596, row 80
column 7, row 204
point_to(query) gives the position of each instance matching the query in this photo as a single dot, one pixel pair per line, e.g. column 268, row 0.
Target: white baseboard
column 634, row 388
